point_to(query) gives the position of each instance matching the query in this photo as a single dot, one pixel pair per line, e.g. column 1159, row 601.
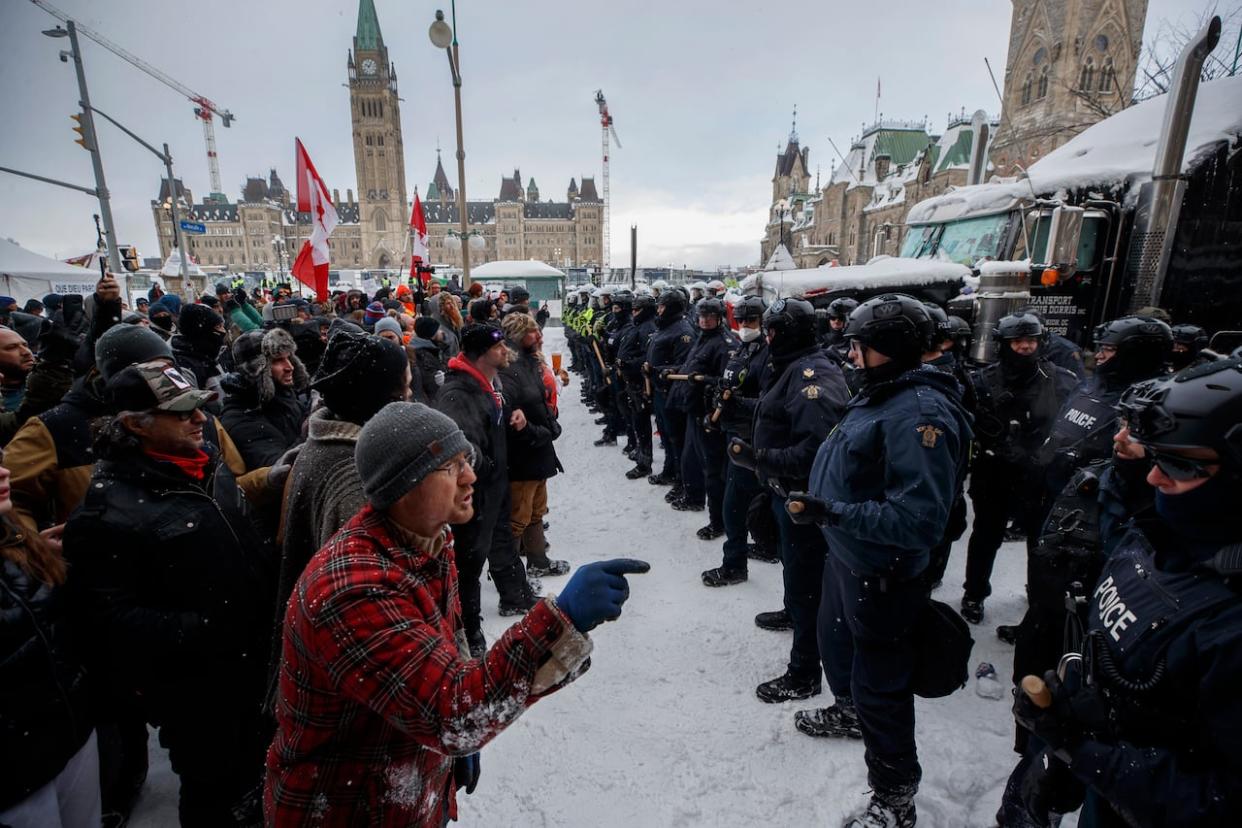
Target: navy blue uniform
column 889, row 473
column 1082, row 432
column 631, row 354
column 703, row 458
column 743, row 378
column 803, row 402
column 1063, row 353
column 667, row 351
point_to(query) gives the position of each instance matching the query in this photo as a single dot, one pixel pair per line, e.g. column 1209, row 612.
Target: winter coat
column 669, row 348
column 45, row 709
column 891, row 470
column 709, row 356
column 803, row 401
column 1014, row 413
column 171, row 583
column 198, row 359
column 378, row 692
column 744, row 377
column 481, row 415
column 244, row 316
column 632, row 351
column 532, row 455
column 1063, row 353
column 45, row 386
column 426, row 362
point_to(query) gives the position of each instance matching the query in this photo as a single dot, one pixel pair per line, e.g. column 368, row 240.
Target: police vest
column 1084, row 430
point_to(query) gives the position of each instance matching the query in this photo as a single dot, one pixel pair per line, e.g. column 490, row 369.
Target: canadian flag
column 420, row 251
column 311, row 266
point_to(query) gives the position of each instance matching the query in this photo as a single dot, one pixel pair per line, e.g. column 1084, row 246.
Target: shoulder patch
column 808, row 373
column 930, row 435
column 685, row 337
column 811, row 392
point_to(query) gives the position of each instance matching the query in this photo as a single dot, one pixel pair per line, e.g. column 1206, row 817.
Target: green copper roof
column 368, row 34
column 959, row 153
column 900, row 145
column 433, row 192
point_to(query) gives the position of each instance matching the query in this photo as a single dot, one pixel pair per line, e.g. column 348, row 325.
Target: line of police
column 843, row 450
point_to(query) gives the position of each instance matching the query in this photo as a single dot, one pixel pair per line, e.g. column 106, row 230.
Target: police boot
column 675, row 493
column 788, row 687
column 1007, row 633
column 724, row 576
column 683, row 505
column 609, row 439
column 972, row 610
column 886, row 809
column 662, row 479
column 477, row 643
column 757, row 553
column 641, row 470
column 516, row 595
column 470, row 593
column 778, row 621
column 837, row 722
column 601, row 420
column 538, row 564
column 709, row 532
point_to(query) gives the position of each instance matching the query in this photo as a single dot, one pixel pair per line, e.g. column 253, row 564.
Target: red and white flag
column 421, row 253
column 311, row 266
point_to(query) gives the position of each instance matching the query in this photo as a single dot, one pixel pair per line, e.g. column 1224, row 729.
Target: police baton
column 724, row 395
column 600, row 357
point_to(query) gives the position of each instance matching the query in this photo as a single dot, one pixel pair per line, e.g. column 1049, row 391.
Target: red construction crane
column 605, row 122
column 204, row 108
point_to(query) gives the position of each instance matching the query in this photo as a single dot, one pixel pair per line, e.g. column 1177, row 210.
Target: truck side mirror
column 1064, row 233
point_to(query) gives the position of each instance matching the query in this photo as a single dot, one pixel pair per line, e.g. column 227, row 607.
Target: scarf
column 193, row 467
column 460, row 363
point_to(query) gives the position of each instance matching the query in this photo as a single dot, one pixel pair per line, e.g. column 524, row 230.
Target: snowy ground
column 665, row 729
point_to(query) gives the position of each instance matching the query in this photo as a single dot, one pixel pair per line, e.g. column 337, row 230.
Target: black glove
column 240, row 295
column 665, row 374
column 743, row 454
column 1071, row 716
column 58, row 343
column 806, row 510
column 1049, row 787
column 466, row 772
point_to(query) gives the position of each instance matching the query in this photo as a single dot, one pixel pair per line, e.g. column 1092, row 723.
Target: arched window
column 1086, row 80
column 1108, row 77
column 1026, row 90
column 381, row 221
column 1043, row 84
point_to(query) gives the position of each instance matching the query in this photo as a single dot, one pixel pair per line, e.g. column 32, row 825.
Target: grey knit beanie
column 400, row 446
column 123, row 345
column 388, row 323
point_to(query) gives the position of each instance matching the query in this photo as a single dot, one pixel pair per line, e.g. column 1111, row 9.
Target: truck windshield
column 920, row 242
column 967, row 241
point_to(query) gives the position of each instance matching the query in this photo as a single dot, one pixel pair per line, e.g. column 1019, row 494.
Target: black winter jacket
column 669, row 348
column 484, row 422
column 708, row 357
column 262, row 431
column 171, row 582
column 426, row 360
column 45, row 710
column 531, row 453
column 744, row 377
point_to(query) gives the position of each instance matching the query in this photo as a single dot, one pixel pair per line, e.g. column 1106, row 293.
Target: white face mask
column 748, row 334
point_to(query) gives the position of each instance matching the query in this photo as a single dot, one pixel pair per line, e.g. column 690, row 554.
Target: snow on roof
column 881, row 272
column 1116, row 151
column 780, row 259
column 516, row 269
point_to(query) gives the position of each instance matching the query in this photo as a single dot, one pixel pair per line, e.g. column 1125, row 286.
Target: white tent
column 172, row 267
column 27, row 275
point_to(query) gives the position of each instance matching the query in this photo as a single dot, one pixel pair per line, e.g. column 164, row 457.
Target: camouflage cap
column 155, row 385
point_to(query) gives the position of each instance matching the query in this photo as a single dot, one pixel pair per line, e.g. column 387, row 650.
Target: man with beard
column 265, row 409
column 16, row 362
column 1019, row 396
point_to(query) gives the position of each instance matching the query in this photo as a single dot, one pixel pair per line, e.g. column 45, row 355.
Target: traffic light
column 129, row 258
column 83, row 139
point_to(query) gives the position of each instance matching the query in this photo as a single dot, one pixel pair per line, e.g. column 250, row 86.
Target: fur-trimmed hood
column 253, row 353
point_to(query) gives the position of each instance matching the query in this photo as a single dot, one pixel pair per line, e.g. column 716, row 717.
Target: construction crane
column 204, row 108
column 605, row 122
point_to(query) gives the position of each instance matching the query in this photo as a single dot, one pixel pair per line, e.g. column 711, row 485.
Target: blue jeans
column 803, row 549
column 741, row 487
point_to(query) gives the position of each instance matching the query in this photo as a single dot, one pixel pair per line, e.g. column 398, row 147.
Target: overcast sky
column 701, row 92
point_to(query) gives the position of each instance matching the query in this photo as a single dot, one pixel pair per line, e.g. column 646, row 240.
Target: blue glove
column 596, row 592
column 466, row 772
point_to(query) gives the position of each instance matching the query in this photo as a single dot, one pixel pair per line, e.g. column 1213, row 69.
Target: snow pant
column 741, row 487
column 996, row 489
column 70, row 800
column 672, row 462
column 940, row 553
column 218, row 753
column 709, row 449
column 803, row 549
column 487, row 539
column 880, row 615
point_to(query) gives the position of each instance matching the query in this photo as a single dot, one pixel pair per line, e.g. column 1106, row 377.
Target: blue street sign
column 193, row 227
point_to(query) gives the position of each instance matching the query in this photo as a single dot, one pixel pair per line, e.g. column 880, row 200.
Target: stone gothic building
column 263, row 231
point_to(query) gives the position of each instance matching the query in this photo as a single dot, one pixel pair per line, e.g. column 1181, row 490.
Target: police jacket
column 804, row 398
column 1063, row 353
column 632, row 350
column 172, row 581
column 890, row 472
column 744, row 377
column 1015, row 410
column 1082, row 431
column 708, row 357
column 613, row 333
column 669, row 347
column 1168, row 754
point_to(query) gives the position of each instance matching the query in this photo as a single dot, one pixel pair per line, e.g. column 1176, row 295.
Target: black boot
column 788, row 687
column 640, row 470
column 778, row 621
column 477, row 642
column 723, row 576
column 675, row 493
column 516, row 596
column 972, row 610
column 683, row 505
column 709, row 532
column 839, row 721
column 609, row 439
column 757, row 553
column 662, row 479
column 887, row 809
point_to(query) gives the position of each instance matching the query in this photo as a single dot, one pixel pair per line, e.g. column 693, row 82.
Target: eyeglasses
column 1181, row 468
column 457, row 467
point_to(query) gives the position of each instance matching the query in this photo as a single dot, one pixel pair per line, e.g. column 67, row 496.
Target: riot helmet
column 750, row 307
column 1132, row 348
column 1013, row 327
column 895, row 325
column 790, row 324
column 1188, row 341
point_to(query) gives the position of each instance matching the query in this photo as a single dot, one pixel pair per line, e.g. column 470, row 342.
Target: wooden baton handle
column 1037, row 691
column 795, row 507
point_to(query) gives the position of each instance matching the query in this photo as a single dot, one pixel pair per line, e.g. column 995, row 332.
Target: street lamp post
column 445, row 37
column 88, row 125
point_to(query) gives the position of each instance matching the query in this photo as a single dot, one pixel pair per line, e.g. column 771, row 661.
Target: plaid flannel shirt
column 378, row 694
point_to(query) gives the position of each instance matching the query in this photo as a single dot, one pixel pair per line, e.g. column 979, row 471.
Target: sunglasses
column 1177, row 467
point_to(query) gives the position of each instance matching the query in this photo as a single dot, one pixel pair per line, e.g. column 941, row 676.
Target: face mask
column 1207, row 513
column 748, row 334
column 163, row 321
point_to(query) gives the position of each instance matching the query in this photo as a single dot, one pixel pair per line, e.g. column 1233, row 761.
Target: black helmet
column 1192, row 336
column 963, row 334
column 941, row 329
column 623, row 298
column 1019, row 326
column 711, row 307
column 895, row 325
column 1201, row 406
column 644, row 301
column 751, row 307
column 672, row 301
column 841, row 308
column 1143, row 346
column 791, row 323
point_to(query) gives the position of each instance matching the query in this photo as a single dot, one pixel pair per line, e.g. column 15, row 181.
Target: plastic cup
column 556, row 362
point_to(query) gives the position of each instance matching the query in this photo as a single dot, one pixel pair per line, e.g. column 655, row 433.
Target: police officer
column 1057, row 349
column 1019, row 396
column 1188, row 341
column 804, row 397
column 618, row 323
column 736, row 401
column 839, row 311
column 703, row 458
column 667, row 351
column 631, row 354
column 881, row 490
column 1148, row 720
column 1128, row 350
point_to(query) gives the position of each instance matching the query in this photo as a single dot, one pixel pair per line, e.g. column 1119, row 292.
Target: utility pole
column 633, row 256
column 178, row 238
column 88, row 121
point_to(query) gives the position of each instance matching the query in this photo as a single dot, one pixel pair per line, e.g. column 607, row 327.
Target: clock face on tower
column 368, row 67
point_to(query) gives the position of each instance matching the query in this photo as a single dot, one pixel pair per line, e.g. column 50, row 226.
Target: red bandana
column 194, row 467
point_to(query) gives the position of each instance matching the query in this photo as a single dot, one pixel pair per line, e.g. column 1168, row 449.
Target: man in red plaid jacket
column 381, row 711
